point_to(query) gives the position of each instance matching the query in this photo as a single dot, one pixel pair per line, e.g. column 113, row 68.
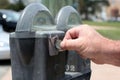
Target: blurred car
column 8, row 21
column 4, row 44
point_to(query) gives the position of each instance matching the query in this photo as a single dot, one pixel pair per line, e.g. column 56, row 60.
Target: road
column 4, row 67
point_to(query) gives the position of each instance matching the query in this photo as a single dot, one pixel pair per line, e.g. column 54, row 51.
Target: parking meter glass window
column 73, row 20
column 42, row 20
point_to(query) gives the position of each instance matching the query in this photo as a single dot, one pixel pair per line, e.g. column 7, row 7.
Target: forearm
column 90, row 44
column 111, row 52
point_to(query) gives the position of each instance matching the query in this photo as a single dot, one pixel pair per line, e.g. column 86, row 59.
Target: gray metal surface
column 35, row 46
column 30, row 50
column 25, row 22
column 67, row 18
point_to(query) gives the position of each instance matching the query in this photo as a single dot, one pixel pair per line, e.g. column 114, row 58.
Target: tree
column 17, row 7
column 4, row 4
column 89, row 6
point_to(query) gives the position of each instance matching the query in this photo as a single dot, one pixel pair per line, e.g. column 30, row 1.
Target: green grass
column 112, row 24
column 112, row 34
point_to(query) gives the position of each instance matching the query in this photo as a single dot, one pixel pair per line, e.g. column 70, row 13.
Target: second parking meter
column 76, row 66
column 35, row 46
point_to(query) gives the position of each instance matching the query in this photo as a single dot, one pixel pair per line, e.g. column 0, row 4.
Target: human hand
column 86, row 41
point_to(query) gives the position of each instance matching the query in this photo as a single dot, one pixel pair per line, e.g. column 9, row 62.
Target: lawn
column 112, row 34
column 112, row 24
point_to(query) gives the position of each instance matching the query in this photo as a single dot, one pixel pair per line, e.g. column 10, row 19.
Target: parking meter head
column 33, row 15
column 67, row 17
column 43, row 21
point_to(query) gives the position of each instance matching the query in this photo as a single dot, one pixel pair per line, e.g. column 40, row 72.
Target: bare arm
column 112, row 52
column 90, row 44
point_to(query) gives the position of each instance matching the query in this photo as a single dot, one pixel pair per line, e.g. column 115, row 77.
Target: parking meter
column 76, row 66
column 32, row 46
column 35, row 50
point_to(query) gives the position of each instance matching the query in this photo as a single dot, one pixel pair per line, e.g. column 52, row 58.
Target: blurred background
column 103, row 15
column 95, row 10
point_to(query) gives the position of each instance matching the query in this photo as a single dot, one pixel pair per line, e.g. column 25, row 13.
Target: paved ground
column 7, row 75
column 3, row 70
column 4, row 67
column 105, row 72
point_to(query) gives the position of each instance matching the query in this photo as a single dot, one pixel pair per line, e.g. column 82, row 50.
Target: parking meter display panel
column 26, row 20
column 67, row 18
column 43, row 21
column 73, row 20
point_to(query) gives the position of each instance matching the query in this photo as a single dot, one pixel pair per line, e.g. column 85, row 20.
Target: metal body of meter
column 35, row 51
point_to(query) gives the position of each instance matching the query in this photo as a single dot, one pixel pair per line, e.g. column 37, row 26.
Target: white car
column 8, row 21
column 4, row 44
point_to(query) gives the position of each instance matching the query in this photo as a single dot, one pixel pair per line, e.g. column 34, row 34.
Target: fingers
column 70, row 41
column 71, row 34
column 70, row 44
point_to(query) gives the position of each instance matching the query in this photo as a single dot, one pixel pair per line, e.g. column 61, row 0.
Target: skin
column 88, row 43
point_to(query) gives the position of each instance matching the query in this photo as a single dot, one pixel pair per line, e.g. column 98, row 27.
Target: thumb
column 70, row 44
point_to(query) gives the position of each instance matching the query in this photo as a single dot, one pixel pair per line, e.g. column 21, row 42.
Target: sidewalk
column 7, row 76
column 105, row 72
